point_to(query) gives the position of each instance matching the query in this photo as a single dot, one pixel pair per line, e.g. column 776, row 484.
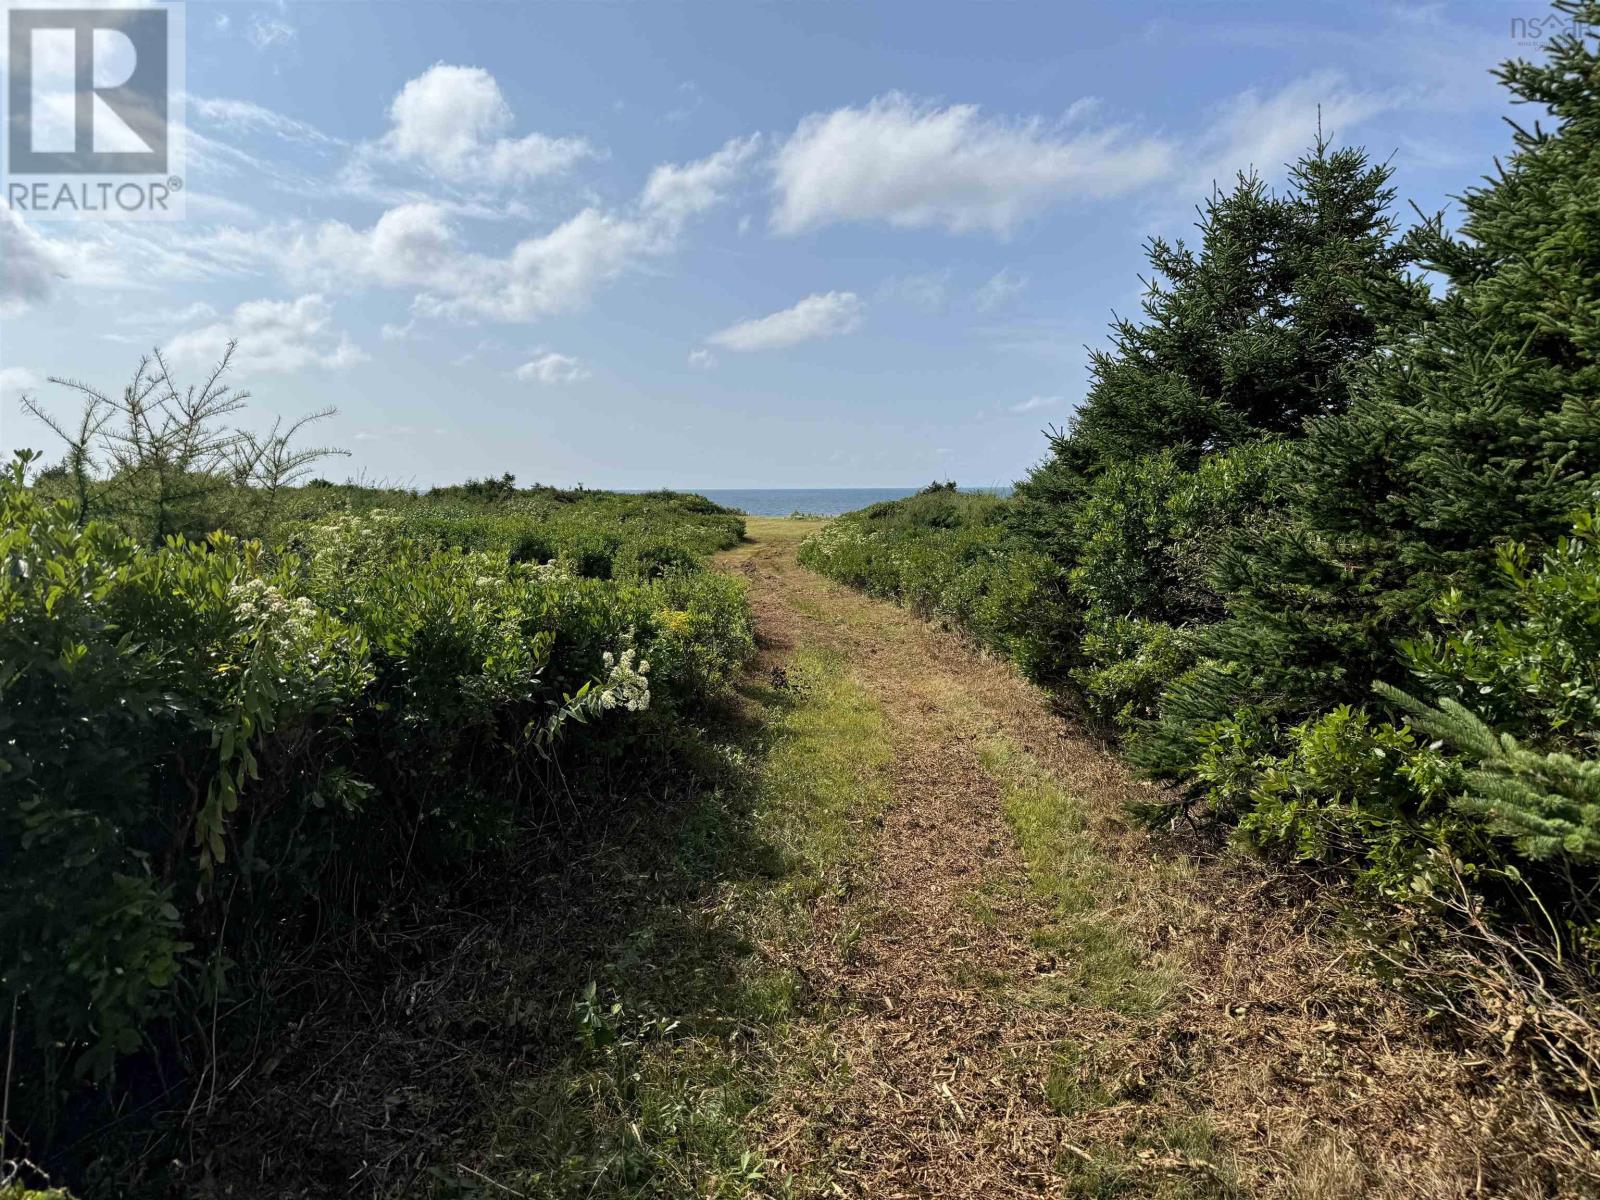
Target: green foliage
column 595, row 533
column 947, row 555
column 1548, row 804
column 19, row 1191
column 1248, row 336
column 488, row 488
column 1351, row 791
column 160, row 458
column 201, row 739
column 1503, row 774
column 1515, row 701
column 1296, row 476
column 1148, row 534
column 1253, row 333
column 1178, row 451
column 1535, row 670
column 1482, row 425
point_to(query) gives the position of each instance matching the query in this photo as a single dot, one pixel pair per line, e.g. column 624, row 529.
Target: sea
column 822, row 502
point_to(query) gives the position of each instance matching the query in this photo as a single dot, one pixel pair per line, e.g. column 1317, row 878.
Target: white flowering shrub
column 322, row 719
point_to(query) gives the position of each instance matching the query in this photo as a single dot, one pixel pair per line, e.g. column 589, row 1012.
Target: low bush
column 948, row 555
column 1481, row 758
column 214, row 749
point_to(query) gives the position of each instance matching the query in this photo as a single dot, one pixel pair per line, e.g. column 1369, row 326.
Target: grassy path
column 1021, row 995
column 879, row 929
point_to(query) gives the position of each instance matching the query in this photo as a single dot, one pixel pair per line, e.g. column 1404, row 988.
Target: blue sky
column 710, row 244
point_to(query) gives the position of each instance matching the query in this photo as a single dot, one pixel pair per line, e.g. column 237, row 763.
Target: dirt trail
column 1185, row 1032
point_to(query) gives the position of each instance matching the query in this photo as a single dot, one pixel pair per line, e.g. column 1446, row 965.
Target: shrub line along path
column 1022, row 994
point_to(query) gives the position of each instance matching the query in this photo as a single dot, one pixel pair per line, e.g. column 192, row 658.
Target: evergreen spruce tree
column 1482, row 425
column 1244, row 338
column 1253, row 333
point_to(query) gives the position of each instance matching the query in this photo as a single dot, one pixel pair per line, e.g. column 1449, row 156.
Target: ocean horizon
column 822, row 502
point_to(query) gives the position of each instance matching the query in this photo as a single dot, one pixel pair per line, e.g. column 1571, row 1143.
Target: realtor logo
column 90, row 97
column 88, row 91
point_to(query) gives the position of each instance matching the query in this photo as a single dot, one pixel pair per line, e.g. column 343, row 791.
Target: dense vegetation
column 1320, row 544
column 1320, row 550
column 219, row 750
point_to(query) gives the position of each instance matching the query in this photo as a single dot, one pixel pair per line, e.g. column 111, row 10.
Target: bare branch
column 157, row 452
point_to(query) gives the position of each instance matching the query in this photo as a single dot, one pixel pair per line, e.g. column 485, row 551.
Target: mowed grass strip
column 692, row 1024
column 1101, row 960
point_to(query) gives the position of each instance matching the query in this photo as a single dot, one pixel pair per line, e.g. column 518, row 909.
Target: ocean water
column 824, row 502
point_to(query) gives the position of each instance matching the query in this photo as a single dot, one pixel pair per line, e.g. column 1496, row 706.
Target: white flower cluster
column 832, row 540
column 347, row 537
column 258, row 601
column 293, row 640
column 554, row 569
column 626, row 685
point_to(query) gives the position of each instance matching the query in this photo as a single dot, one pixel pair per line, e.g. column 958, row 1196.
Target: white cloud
column 552, row 369
column 824, row 315
column 555, row 272
column 150, row 255
column 1035, row 403
column 1002, row 287
column 455, row 121
column 214, row 209
column 918, row 165
column 929, row 292
column 692, row 100
column 266, row 32
column 416, row 246
column 411, row 245
column 32, row 266
column 166, row 317
column 16, row 380
column 273, row 336
column 675, row 192
column 395, row 431
column 243, row 116
column 702, row 360
column 1263, row 132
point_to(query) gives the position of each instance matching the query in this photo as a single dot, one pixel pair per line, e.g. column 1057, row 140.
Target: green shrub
column 1477, row 427
column 1533, row 669
column 1494, row 771
column 160, row 458
column 652, row 558
column 1547, row 804
column 948, row 555
column 201, row 741
column 1148, row 534
column 19, row 1191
